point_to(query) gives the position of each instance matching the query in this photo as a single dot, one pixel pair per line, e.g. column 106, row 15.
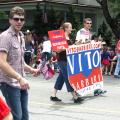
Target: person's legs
column 106, row 69
column 24, row 104
column 111, row 67
column 63, row 69
column 12, row 96
column 58, row 86
column 117, row 69
column 59, row 82
column 103, row 68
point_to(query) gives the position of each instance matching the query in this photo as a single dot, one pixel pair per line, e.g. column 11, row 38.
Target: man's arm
column 7, row 69
column 33, row 71
column 78, row 39
column 77, row 36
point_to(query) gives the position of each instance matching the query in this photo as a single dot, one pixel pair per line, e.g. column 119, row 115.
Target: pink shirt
column 14, row 48
column 118, row 47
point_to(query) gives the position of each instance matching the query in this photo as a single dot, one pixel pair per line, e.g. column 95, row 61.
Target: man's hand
column 35, row 72
column 78, row 42
column 24, row 84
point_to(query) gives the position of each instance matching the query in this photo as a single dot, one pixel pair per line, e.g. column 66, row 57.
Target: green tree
column 114, row 6
column 40, row 26
column 74, row 19
column 52, row 19
column 105, row 33
column 112, row 18
column 3, row 15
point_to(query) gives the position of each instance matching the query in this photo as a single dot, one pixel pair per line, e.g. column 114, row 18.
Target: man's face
column 87, row 25
column 17, row 22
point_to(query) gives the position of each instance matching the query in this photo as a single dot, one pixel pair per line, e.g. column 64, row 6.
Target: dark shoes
column 56, row 99
column 78, row 100
column 116, row 76
column 99, row 92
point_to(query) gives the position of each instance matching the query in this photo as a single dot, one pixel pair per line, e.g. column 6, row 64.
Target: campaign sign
column 84, row 67
column 58, row 40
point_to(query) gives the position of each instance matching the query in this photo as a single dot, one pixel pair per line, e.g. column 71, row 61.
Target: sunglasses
column 88, row 23
column 19, row 19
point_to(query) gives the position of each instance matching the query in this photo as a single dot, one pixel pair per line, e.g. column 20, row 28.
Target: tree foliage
column 45, row 21
column 114, row 6
column 112, row 19
column 54, row 20
column 73, row 18
column 105, row 33
column 3, row 15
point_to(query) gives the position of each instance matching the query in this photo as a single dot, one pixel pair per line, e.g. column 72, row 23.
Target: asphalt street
column 104, row 107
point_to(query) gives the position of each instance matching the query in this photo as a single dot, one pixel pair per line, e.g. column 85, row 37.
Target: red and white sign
column 58, row 40
column 84, row 67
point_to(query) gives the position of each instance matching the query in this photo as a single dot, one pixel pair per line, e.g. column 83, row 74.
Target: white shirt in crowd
column 46, row 46
column 83, row 35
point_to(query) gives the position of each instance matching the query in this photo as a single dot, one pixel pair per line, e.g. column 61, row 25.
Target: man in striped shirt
column 14, row 86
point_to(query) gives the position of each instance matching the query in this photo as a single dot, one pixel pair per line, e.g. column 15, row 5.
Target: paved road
column 104, row 107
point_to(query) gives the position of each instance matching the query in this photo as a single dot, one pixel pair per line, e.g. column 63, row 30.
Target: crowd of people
column 20, row 54
column 110, row 61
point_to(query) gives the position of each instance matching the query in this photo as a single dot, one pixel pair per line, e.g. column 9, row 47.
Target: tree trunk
column 113, row 23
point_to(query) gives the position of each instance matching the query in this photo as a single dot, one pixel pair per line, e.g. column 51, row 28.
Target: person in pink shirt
column 117, row 69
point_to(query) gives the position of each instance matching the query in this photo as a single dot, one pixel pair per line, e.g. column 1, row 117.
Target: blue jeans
column 117, row 69
column 63, row 77
column 17, row 100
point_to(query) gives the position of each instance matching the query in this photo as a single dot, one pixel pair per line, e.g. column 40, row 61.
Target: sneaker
column 78, row 100
column 109, row 74
column 99, row 92
column 106, row 73
column 55, row 99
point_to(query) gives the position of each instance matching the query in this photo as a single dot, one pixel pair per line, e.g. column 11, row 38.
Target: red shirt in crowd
column 118, row 47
